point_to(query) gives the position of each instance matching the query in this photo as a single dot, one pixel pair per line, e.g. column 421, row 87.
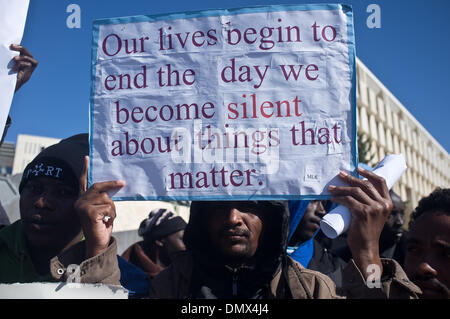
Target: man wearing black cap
column 163, row 234
column 57, row 211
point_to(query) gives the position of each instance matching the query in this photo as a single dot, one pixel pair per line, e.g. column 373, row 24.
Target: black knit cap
column 63, row 161
column 159, row 224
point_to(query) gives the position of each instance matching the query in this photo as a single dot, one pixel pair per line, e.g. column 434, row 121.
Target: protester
column 238, row 250
column 392, row 240
column 427, row 261
column 54, row 218
column 47, row 238
column 308, row 245
column 162, row 234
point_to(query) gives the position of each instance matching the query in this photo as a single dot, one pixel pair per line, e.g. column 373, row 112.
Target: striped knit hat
column 159, row 224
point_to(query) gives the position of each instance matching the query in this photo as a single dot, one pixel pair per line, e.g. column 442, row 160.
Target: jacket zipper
column 235, row 277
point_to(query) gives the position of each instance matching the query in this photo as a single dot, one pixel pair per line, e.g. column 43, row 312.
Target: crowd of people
column 227, row 249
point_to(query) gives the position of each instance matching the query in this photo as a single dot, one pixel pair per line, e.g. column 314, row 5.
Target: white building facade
column 27, row 147
column 393, row 129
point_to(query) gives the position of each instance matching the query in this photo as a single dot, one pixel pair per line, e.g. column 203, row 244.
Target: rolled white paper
column 338, row 220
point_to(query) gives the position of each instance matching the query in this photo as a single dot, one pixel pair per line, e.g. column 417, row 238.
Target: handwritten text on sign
column 254, row 103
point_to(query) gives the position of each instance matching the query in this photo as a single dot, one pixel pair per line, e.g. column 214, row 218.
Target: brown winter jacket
column 103, row 268
column 16, row 265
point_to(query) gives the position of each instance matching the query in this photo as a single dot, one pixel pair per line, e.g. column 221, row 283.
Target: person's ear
column 159, row 243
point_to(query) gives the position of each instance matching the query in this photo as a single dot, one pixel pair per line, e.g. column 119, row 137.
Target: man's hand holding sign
column 93, row 206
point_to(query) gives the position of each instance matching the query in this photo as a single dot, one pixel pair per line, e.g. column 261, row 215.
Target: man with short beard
column 427, row 260
column 392, row 238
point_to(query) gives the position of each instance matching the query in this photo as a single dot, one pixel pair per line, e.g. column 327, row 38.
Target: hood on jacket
column 271, row 254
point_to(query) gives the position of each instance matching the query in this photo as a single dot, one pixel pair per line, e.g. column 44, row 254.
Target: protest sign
column 13, row 15
column 252, row 103
column 61, row 290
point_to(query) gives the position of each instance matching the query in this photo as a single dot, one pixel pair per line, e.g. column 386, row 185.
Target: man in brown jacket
column 238, row 250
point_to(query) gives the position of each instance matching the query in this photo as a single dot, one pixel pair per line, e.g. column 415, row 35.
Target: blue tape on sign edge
column 347, row 9
column 223, row 197
column 95, row 32
column 352, row 63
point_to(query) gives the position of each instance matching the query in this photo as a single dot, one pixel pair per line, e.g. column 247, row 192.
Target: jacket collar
column 13, row 238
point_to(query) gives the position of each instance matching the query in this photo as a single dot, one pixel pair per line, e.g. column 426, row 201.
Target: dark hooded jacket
column 211, row 278
column 200, row 273
column 205, row 275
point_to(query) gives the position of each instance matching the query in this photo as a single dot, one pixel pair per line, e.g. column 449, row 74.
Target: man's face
column 427, row 261
column 235, row 229
column 394, row 223
column 173, row 243
column 310, row 222
column 47, row 212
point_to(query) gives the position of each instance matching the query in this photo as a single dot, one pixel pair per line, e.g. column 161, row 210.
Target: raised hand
column 370, row 205
column 93, row 205
column 24, row 65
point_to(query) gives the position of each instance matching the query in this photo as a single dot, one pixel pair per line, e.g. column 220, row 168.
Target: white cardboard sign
column 62, row 290
column 13, row 15
column 252, row 103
